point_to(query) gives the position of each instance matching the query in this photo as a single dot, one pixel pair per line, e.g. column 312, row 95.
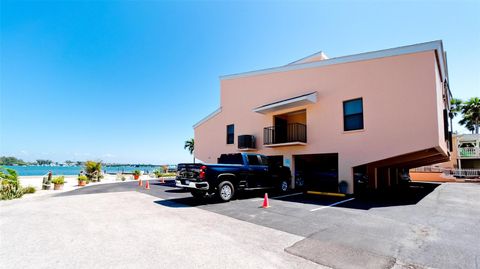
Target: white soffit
column 309, row 98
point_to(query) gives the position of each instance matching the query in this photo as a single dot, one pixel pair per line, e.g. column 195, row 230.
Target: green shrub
column 158, row 173
column 8, row 192
column 136, row 172
column 29, row 189
column 9, row 184
column 83, row 178
column 93, row 170
column 59, row 180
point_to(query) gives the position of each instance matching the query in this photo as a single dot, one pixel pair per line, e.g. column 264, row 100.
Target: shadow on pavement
column 408, row 195
column 178, row 203
column 178, row 191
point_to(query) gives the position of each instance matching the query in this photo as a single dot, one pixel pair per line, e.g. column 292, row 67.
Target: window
column 253, row 160
column 353, row 115
column 264, row 160
column 230, row 159
column 230, row 133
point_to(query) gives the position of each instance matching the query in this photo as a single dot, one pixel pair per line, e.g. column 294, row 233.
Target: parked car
column 234, row 172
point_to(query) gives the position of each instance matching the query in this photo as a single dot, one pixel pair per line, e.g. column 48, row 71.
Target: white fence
column 458, row 173
column 463, row 173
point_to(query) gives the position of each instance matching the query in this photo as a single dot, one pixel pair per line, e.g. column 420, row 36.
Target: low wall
column 431, row 177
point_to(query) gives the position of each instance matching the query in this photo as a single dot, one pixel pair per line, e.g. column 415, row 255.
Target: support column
column 345, row 173
column 288, row 161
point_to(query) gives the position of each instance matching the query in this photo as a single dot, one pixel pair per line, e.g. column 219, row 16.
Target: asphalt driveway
column 430, row 226
column 130, row 230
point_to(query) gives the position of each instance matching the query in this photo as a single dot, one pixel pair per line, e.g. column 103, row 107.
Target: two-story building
column 374, row 113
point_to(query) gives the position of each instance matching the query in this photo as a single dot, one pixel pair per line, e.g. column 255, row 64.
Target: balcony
column 292, row 134
column 469, row 152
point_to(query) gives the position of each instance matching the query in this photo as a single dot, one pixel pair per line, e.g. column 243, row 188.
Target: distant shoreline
column 38, row 170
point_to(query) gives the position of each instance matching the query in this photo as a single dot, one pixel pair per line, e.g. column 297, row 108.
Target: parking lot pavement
column 431, row 225
column 129, row 230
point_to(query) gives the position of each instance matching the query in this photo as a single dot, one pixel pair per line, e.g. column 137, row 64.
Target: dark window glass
column 264, row 160
column 230, row 159
column 230, row 133
column 253, row 160
column 353, row 115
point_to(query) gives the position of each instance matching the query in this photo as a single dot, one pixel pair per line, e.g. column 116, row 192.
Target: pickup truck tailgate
column 188, row 171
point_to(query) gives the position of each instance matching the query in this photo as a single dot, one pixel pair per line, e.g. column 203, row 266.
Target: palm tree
column 455, row 108
column 190, row 146
column 471, row 114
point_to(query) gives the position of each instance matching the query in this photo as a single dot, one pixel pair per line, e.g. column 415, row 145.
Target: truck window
column 264, row 160
column 230, row 159
column 253, row 160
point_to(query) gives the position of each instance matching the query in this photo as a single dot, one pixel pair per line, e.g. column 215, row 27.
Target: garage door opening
column 319, row 172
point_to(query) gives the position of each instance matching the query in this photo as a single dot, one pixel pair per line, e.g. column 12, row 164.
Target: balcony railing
column 470, row 152
column 292, row 132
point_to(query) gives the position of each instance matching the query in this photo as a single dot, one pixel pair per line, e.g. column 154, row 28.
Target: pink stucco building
column 329, row 119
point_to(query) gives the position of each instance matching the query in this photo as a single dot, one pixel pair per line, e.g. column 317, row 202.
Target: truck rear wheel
column 226, row 191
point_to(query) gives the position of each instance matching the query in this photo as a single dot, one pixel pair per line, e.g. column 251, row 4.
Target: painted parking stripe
column 287, row 195
column 334, row 204
column 275, row 197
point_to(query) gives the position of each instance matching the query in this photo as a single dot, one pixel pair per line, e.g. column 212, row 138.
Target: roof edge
column 420, row 47
column 209, row 116
column 320, row 53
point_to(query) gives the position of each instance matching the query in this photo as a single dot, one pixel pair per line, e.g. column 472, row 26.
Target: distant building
column 465, row 153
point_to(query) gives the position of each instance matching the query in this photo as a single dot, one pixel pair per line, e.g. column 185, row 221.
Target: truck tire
column 283, row 185
column 198, row 194
column 225, row 191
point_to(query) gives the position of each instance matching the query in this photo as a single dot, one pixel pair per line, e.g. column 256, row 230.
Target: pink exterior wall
column 401, row 102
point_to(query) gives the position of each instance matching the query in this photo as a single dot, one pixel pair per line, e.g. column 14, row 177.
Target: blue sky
column 124, row 81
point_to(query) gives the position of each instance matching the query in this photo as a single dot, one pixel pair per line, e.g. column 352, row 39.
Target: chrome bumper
column 193, row 185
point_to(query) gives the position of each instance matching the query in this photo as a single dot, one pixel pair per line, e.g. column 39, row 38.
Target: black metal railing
column 292, row 132
column 246, row 142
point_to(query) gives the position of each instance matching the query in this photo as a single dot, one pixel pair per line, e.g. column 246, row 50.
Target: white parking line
column 275, row 197
column 334, row 204
column 287, row 195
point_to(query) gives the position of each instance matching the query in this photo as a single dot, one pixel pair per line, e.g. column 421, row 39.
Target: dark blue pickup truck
column 234, row 172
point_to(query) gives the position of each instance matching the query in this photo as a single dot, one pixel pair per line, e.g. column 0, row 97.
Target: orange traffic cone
column 147, row 185
column 265, row 201
column 139, row 182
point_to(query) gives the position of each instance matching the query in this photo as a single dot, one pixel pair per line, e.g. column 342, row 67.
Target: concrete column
column 290, row 162
column 345, row 173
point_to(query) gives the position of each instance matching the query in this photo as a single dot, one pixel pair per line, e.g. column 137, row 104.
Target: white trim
column 302, row 100
column 247, row 149
column 331, row 205
column 421, row 47
column 286, row 195
column 285, row 144
column 320, row 53
column 211, row 115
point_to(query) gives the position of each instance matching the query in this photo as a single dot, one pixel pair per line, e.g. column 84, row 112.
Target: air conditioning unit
column 246, row 142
